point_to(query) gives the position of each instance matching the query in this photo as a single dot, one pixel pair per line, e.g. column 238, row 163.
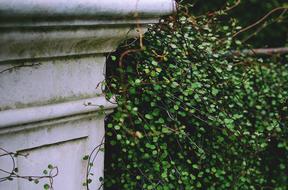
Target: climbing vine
column 193, row 114
column 11, row 174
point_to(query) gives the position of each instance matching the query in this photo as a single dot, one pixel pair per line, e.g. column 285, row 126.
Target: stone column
column 52, row 56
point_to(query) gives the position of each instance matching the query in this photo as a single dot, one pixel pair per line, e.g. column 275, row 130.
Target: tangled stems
column 50, row 173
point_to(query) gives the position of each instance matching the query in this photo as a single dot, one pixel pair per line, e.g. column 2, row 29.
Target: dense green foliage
column 193, row 115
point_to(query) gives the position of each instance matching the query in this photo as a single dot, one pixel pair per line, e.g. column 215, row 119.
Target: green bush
column 194, row 115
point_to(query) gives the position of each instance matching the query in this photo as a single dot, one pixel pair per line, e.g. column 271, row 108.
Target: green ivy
column 194, row 115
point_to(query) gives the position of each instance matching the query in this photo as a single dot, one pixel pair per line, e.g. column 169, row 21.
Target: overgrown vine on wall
column 193, row 115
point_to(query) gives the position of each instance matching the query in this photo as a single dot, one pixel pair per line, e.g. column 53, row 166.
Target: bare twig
column 233, row 6
column 265, row 25
column 262, row 51
column 215, row 13
column 259, row 21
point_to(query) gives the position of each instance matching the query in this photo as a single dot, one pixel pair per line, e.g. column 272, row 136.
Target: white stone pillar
column 52, row 56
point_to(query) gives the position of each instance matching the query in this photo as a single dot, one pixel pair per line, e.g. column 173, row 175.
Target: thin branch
column 259, row 21
column 262, row 51
column 233, row 6
column 265, row 25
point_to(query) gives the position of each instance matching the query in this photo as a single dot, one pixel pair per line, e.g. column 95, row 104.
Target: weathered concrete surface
column 50, row 41
column 52, row 56
column 50, row 81
column 62, row 144
column 103, row 9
